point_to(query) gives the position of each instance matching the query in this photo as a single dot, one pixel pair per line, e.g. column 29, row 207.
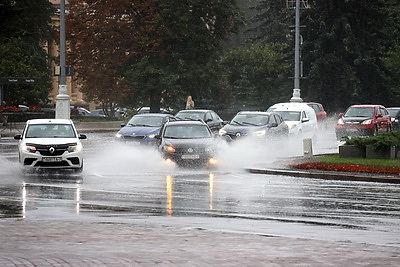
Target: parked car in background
column 188, row 143
column 299, row 117
column 363, row 120
column 319, row 110
column 395, row 116
column 80, row 111
column 255, row 124
column 50, row 144
column 143, row 110
column 142, row 128
column 210, row 117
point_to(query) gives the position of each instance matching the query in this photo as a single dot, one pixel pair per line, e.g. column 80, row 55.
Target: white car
column 300, row 118
column 50, row 144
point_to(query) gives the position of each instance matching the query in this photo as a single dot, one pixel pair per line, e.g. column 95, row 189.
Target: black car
column 210, row 117
column 255, row 124
column 395, row 116
column 188, row 143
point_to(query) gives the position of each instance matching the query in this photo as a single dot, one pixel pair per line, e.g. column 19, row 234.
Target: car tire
column 389, row 128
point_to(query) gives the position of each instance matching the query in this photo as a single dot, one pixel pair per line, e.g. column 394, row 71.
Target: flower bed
column 346, row 168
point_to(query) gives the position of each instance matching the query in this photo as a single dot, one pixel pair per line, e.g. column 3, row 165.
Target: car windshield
column 190, row 115
column 187, row 132
column 360, row 112
column 290, row 115
column 50, row 131
column 393, row 112
column 250, row 119
column 146, row 121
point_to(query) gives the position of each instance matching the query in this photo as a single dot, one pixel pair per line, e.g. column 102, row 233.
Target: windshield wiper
column 249, row 123
column 236, row 122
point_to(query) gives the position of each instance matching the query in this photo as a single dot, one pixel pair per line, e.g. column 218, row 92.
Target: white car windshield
column 146, row 121
column 250, row 119
column 50, row 131
column 360, row 112
column 190, row 115
column 187, row 132
column 289, row 115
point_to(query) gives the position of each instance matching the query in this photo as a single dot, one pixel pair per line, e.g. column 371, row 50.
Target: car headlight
column 340, row 121
column 209, row 149
column 28, row 149
column 222, row 132
column 292, row 126
column 169, row 149
column 151, row 136
column 366, row 122
column 75, row 147
column 118, row 135
column 259, row 133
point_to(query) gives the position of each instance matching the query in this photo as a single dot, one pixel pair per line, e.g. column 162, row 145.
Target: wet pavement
column 109, row 240
column 68, row 243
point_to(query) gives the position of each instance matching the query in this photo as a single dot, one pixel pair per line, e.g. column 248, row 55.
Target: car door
column 306, row 125
column 382, row 119
column 212, row 122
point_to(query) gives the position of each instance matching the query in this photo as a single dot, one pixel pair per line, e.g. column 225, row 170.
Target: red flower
column 346, row 168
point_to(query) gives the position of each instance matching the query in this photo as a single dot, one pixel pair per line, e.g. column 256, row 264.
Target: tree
column 103, row 36
column 24, row 26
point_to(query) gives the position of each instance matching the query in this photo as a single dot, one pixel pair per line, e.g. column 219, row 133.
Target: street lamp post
column 296, row 90
column 62, row 99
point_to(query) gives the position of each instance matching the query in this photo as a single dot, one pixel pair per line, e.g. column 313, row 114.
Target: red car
column 363, row 120
column 319, row 110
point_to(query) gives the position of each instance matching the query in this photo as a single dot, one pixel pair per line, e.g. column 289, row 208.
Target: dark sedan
column 256, row 124
column 210, row 117
column 395, row 116
column 142, row 128
column 188, row 143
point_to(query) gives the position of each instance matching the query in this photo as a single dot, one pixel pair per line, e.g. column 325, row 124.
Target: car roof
column 394, row 108
column 366, row 106
column 194, row 110
column 187, row 122
column 255, row 112
column 294, row 108
column 153, row 115
column 49, row 121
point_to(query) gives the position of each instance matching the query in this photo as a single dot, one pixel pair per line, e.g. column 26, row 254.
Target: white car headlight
column 292, row 126
column 222, row 132
column 340, row 121
column 28, row 149
column 259, row 133
column 75, row 148
column 366, row 122
column 118, row 135
column 151, row 136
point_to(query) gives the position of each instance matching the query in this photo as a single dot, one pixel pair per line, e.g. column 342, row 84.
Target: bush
column 380, row 142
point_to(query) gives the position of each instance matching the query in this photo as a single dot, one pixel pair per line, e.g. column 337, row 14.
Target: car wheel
column 389, row 128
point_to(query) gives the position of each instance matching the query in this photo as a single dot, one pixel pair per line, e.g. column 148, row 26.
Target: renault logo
column 52, row 150
column 237, row 134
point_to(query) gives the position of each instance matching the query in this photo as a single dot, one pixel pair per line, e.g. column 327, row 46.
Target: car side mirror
column 379, row 115
column 273, row 125
column 157, row 136
column 341, row 115
column 123, row 124
column 18, row 137
column 305, row 120
column 82, row 136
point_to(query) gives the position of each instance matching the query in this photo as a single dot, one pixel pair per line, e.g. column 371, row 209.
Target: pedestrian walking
column 189, row 103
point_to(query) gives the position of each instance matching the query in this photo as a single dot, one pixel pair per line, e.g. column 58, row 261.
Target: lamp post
column 62, row 99
column 296, row 90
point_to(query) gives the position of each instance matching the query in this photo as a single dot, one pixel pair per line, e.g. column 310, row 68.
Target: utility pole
column 296, row 91
column 62, row 99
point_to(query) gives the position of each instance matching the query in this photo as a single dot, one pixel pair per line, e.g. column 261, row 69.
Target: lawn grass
column 393, row 163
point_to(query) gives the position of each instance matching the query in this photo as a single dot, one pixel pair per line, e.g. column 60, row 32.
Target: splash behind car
column 50, row 144
column 363, row 120
column 142, row 128
column 255, row 124
column 188, row 143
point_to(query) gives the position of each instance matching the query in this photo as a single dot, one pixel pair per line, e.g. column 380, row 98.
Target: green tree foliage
column 24, row 26
column 192, row 38
column 258, row 76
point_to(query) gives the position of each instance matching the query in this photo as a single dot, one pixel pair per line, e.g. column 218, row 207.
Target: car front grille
column 52, row 150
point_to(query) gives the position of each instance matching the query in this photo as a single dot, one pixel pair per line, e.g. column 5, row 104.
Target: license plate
column 353, row 130
column 52, row 159
column 190, row 156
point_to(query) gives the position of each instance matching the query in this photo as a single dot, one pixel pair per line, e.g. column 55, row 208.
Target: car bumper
column 65, row 161
column 354, row 131
column 190, row 159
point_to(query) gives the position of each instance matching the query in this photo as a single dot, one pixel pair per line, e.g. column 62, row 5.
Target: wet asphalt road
column 123, row 183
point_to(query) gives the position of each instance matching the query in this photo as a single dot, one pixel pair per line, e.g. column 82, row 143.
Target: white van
column 300, row 118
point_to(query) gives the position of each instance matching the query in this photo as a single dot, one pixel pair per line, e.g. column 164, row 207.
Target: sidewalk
column 104, row 243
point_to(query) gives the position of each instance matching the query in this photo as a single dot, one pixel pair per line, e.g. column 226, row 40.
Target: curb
column 315, row 174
